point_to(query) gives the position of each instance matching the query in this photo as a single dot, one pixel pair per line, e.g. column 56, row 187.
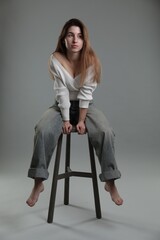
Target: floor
column 137, row 219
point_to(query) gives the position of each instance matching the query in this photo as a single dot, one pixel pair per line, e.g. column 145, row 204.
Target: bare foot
column 37, row 189
column 111, row 188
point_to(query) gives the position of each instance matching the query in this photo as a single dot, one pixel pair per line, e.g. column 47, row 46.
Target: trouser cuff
column 110, row 175
column 38, row 173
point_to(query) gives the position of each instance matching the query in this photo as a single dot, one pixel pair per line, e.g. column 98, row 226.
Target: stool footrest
column 74, row 174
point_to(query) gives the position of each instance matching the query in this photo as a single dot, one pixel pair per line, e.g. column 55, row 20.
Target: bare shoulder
column 57, row 55
column 60, row 57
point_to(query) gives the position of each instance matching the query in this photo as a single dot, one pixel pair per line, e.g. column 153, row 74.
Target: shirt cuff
column 65, row 114
column 83, row 103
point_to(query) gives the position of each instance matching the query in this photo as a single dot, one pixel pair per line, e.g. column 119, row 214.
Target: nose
column 75, row 39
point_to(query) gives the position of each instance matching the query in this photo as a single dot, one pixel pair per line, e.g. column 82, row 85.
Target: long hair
column 87, row 55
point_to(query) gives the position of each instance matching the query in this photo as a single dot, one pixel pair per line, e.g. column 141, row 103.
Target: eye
column 69, row 35
column 80, row 36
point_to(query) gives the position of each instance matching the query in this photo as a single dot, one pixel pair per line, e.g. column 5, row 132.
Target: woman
column 76, row 72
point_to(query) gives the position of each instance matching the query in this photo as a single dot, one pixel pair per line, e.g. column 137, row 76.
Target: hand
column 81, row 128
column 67, row 127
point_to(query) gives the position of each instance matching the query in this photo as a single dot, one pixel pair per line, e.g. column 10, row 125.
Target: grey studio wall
column 125, row 35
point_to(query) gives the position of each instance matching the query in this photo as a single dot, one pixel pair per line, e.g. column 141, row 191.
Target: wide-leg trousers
column 49, row 128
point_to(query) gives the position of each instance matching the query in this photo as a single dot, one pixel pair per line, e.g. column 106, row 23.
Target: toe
column 30, row 202
column 119, row 201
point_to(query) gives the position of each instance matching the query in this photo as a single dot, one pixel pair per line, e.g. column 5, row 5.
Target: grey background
column 125, row 35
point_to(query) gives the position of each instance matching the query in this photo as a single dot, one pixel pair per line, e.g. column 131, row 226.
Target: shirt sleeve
column 61, row 90
column 86, row 91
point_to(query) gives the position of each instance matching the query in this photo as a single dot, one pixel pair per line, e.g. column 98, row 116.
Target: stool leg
column 94, row 180
column 67, row 165
column 54, row 181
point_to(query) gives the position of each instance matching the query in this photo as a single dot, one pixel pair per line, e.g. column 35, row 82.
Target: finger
column 63, row 129
column 84, row 131
column 67, row 130
column 78, row 129
column 81, row 131
column 70, row 128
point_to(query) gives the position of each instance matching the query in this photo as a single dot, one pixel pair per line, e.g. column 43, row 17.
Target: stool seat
column 69, row 173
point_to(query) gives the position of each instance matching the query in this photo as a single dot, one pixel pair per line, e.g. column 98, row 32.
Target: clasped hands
column 80, row 127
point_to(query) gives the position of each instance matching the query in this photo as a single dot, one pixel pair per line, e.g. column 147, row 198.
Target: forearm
column 82, row 114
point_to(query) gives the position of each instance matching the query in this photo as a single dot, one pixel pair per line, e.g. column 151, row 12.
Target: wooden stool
column 69, row 173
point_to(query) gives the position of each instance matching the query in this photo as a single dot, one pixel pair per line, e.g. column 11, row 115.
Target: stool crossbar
column 69, row 173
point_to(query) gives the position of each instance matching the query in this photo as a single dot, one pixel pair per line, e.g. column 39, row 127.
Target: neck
column 73, row 57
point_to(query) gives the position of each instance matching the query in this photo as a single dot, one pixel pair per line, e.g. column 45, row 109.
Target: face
column 74, row 39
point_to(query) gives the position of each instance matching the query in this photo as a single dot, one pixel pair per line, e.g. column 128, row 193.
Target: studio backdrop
column 125, row 35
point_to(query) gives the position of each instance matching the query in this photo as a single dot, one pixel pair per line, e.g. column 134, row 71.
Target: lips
column 74, row 46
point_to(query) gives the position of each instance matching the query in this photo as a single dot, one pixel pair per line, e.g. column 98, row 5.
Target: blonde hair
column 87, row 56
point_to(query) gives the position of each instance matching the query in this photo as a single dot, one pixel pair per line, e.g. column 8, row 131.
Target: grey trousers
column 48, row 130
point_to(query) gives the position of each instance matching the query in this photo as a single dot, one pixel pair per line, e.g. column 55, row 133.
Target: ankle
column 38, row 182
column 110, row 183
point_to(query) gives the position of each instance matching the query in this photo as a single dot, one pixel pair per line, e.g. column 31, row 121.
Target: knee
column 43, row 129
column 110, row 133
column 106, row 132
column 102, row 136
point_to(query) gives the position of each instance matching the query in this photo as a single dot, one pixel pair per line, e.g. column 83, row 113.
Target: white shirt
column 68, row 88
